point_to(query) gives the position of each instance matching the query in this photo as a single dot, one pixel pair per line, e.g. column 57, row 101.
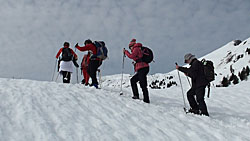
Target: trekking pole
column 77, row 75
column 100, row 77
column 189, row 82
column 182, row 90
column 54, row 71
column 121, row 93
column 57, row 77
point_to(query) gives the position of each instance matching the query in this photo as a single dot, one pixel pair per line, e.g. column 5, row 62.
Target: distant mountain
column 230, row 59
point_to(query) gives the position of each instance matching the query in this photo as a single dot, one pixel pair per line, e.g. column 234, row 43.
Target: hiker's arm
column 84, row 48
column 193, row 70
column 133, row 55
column 183, row 69
column 75, row 56
column 59, row 52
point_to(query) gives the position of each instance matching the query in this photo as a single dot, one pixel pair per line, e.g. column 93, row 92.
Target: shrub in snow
column 247, row 71
column 225, row 82
column 243, row 74
column 237, row 42
column 162, row 84
column 248, row 51
column 234, row 79
column 238, row 57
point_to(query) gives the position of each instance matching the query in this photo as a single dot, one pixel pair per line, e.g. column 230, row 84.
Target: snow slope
column 229, row 55
column 34, row 110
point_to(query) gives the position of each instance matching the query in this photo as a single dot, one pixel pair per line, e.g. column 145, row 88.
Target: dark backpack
column 101, row 50
column 147, row 55
column 209, row 72
column 67, row 54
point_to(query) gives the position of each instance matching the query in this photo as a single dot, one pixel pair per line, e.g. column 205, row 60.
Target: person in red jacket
column 94, row 62
column 141, row 69
column 84, row 67
column 66, row 62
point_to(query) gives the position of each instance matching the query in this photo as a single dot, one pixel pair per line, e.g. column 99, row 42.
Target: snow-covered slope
column 33, row 110
column 228, row 57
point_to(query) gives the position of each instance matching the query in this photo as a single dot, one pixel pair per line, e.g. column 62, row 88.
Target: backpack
column 67, row 54
column 208, row 69
column 101, row 50
column 147, row 55
column 209, row 72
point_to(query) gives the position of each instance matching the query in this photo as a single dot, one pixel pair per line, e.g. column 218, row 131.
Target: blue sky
column 32, row 31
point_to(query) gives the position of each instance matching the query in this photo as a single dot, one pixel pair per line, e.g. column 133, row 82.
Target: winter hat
column 188, row 56
column 132, row 43
column 66, row 44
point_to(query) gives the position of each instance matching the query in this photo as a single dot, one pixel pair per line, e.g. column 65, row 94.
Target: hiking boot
column 194, row 111
column 83, row 81
column 95, row 85
column 135, row 97
column 205, row 113
column 146, row 101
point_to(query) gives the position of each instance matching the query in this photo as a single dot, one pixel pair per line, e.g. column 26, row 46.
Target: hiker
column 141, row 69
column 66, row 62
column 94, row 62
column 84, row 68
column 199, row 83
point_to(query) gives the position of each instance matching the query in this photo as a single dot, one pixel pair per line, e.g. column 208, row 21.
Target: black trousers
column 66, row 76
column 140, row 76
column 199, row 102
column 92, row 69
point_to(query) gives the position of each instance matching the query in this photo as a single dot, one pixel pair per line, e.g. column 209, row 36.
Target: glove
column 124, row 50
column 76, row 45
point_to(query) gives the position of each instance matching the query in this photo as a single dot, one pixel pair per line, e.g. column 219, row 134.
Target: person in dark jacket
column 94, row 62
column 199, row 83
column 142, row 69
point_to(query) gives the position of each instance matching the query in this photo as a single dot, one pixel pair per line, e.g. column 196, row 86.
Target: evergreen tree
column 239, row 74
column 225, row 82
column 247, row 70
column 244, row 73
column 235, row 80
column 231, row 78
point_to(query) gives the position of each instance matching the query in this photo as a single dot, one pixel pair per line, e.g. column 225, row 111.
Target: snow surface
column 53, row 111
column 33, row 110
